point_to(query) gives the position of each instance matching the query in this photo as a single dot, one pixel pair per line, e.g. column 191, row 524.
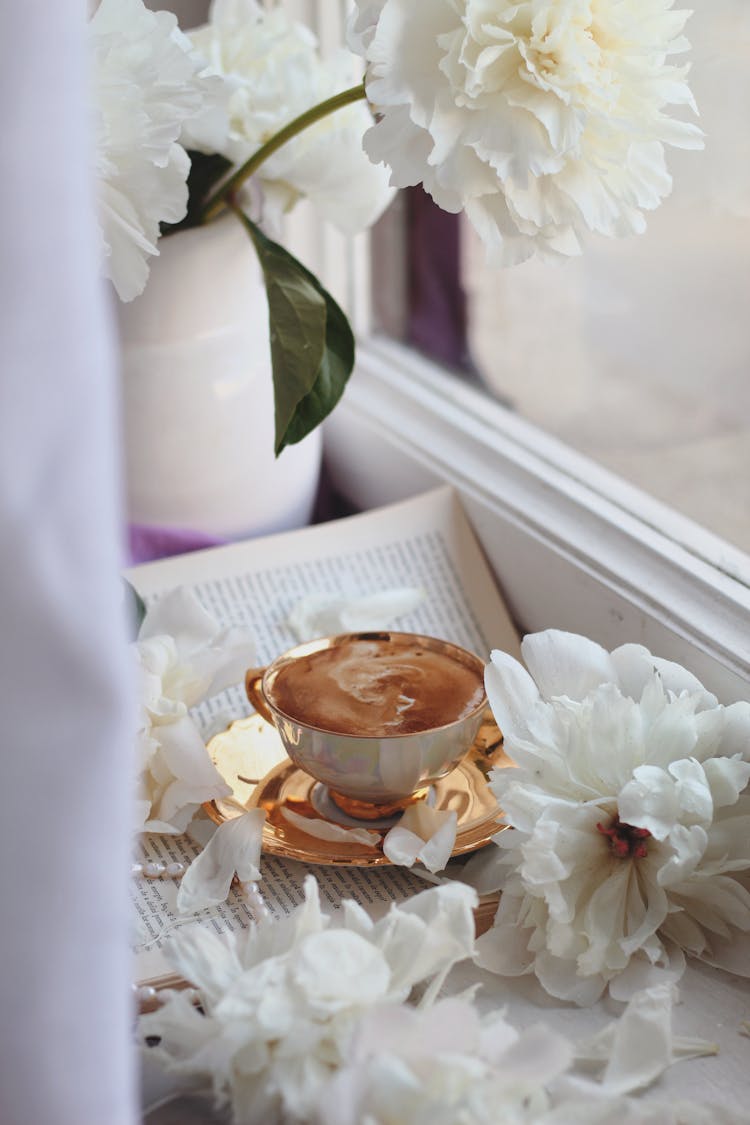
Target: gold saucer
column 251, row 759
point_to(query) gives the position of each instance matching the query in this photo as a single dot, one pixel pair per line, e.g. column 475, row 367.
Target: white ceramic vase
column 198, row 395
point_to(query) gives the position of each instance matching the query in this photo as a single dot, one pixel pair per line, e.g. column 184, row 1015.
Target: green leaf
column 135, row 607
column 205, row 172
column 312, row 344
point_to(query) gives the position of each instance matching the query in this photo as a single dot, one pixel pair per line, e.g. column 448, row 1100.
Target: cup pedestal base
column 368, row 810
column 326, row 804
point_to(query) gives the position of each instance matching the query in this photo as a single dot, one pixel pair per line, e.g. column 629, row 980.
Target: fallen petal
column 639, row 1046
column 422, row 833
column 324, row 830
column 323, row 615
column 233, row 848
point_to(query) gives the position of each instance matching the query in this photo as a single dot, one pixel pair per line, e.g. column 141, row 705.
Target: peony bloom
column 541, row 119
column 444, row 1065
column 449, row 1064
column 282, row 1002
column 182, row 658
column 631, row 815
column 145, row 86
column 273, row 72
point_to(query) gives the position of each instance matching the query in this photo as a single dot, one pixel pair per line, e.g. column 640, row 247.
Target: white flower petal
column 272, row 72
column 736, row 734
column 639, row 1046
column 322, row 615
column 505, row 111
column 629, row 820
column 485, row 871
column 205, row 959
column 566, row 664
column 428, row 934
column 727, row 778
column 181, row 615
column 191, row 777
column 422, row 833
column 325, row 830
column 636, row 666
column 506, row 948
column 401, row 846
column 694, row 792
column 337, row 969
column 731, row 954
column 176, row 670
column 642, row 973
column 539, row 1052
column 162, row 828
column 233, row 849
column 559, row 977
column 672, row 729
column 650, row 801
column 718, row 904
column 283, row 1000
column 512, row 694
column 146, row 85
column 179, row 1021
column 688, row 849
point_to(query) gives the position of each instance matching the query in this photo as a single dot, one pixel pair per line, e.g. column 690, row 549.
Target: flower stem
column 218, row 200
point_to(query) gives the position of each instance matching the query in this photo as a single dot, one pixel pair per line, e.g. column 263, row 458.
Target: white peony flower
column 631, row 815
column 182, row 658
column 274, row 72
column 444, row 1065
column 146, row 84
column 448, row 1064
column 541, row 119
column 281, row 1002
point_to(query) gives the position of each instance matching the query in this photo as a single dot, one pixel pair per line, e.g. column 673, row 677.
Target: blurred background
column 638, row 353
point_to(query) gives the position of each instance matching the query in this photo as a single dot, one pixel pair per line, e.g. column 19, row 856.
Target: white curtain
column 65, row 1056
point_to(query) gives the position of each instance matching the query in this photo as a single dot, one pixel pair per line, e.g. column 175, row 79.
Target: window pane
column 638, row 353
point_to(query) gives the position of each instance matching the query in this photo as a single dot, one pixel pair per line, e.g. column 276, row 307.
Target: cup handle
column 254, row 690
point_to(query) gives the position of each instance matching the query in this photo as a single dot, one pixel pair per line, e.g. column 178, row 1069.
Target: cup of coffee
column 375, row 717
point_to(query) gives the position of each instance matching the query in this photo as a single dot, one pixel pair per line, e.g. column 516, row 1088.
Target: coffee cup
column 375, row 717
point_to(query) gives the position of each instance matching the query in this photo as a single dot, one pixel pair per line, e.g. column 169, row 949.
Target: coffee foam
column 377, row 687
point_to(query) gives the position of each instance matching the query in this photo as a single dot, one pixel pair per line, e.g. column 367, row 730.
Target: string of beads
column 146, row 994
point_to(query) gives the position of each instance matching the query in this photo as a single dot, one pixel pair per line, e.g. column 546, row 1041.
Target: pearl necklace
column 157, row 870
column 146, row 994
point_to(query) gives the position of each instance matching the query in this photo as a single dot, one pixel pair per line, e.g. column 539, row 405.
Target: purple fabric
column 437, row 301
column 149, row 543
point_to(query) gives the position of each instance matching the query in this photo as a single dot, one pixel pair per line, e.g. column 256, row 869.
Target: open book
column 426, row 542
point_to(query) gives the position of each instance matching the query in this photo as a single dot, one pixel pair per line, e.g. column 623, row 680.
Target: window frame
column 572, row 545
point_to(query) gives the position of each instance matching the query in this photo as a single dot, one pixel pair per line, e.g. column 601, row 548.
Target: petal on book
column 233, row 848
column 321, row 615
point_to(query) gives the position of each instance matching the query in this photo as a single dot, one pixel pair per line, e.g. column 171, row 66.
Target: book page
column 426, row 542
column 156, row 917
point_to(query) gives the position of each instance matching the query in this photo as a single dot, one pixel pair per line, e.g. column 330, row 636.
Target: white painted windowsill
column 572, row 546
